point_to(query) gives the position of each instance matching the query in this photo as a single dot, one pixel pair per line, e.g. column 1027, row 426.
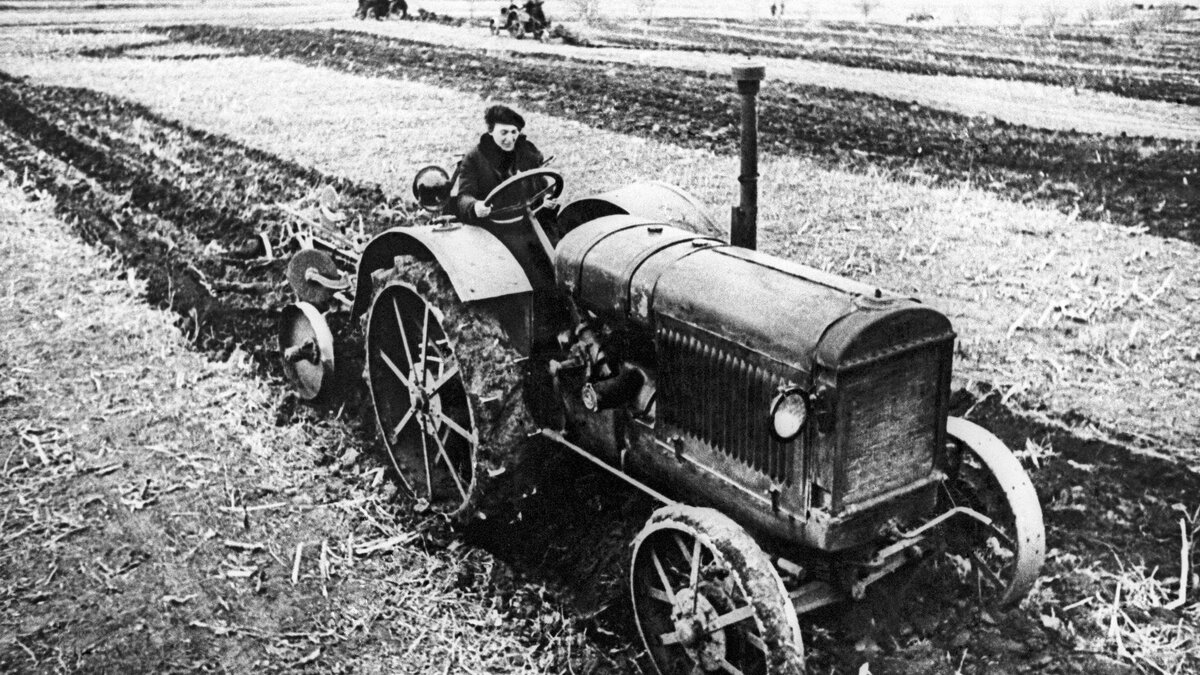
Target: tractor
column 521, row 20
column 381, row 9
column 793, row 424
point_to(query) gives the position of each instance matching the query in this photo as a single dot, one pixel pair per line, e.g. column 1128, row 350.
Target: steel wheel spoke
column 662, row 576
column 403, row 335
column 730, row 668
column 739, row 614
column 395, row 370
column 986, row 571
column 424, row 345
column 671, row 638
column 455, row 426
column 395, row 435
column 425, row 456
column 694, row 574
column 758, row 643
column 687, row 555
column 1002, row 536
column 449, row 465
column 660, row 595
column 446, row 377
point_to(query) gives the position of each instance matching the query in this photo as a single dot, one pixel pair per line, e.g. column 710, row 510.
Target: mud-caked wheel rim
column 999, row 560
column 707, row 599
column 421, row 405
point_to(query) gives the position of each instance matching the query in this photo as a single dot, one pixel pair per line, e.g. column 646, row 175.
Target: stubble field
column 1066, row 261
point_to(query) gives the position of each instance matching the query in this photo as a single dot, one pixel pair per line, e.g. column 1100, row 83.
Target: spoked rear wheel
column 707, row 599
column 421, row 403
column 447, row 383
column 1001, row 559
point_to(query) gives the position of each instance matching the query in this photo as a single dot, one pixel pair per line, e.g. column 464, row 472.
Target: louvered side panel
column 712, row 392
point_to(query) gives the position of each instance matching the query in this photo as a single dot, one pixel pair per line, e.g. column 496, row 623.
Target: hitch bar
column 557, row 437
column 887, row 559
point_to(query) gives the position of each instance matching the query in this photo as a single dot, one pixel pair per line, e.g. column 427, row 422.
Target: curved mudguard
column 479, row 266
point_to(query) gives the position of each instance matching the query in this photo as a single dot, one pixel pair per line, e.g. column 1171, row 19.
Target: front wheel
column 1002, row 558
column 707, row 600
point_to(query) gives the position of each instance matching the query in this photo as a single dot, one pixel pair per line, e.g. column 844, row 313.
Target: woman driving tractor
column 501, row 152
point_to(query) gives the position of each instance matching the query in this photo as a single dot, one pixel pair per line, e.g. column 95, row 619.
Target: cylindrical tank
column 630, row 269
column 652, row 200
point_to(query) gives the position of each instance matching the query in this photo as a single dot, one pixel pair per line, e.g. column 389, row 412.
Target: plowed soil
column 1144, row 182
column 182, row 208
column 1159, row 66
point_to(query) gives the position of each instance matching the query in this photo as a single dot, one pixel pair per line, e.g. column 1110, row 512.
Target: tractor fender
column 479, row 266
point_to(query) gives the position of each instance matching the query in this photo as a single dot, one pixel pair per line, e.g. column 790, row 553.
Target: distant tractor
column 381, row 9
column 793, row 424
column 521, row 20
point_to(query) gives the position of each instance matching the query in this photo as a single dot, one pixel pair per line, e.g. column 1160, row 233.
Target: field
column 168, row 507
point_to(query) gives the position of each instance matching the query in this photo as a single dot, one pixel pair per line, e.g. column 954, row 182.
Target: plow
column 792, row 424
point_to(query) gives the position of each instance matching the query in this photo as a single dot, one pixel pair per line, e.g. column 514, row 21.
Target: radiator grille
column 891, row 415
column 719, row 393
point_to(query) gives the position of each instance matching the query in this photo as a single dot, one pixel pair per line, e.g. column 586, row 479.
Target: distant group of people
column 775, row 8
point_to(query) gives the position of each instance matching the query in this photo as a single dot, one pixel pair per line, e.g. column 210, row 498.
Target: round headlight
column 789, row 411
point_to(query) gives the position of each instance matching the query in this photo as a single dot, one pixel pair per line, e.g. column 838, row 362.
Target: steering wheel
column 521, row 193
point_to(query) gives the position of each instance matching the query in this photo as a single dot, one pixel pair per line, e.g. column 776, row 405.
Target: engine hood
column 627, row 269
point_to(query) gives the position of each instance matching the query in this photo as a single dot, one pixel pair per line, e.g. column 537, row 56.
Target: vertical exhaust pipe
column 743, row 229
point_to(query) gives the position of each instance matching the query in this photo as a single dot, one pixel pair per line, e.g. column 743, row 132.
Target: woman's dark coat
column 485, row 167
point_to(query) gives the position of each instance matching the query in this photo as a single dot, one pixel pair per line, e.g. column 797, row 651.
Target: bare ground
column 1112, row 516
column 1091, row 324
column 1026, row 103
column 156, row 519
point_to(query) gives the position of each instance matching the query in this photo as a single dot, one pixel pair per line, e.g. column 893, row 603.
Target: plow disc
column 306, row 345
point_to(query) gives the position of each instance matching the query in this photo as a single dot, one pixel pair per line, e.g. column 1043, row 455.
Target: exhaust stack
column 743, row 229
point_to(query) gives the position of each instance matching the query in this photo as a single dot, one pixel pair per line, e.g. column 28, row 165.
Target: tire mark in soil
column 1135, row 182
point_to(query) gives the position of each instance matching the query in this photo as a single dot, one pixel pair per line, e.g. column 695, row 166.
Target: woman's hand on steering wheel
column 544, row 184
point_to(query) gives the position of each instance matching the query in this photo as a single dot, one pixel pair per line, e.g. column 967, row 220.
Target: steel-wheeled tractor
column 522, row 20
column 793, row 424
column 381, row 9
